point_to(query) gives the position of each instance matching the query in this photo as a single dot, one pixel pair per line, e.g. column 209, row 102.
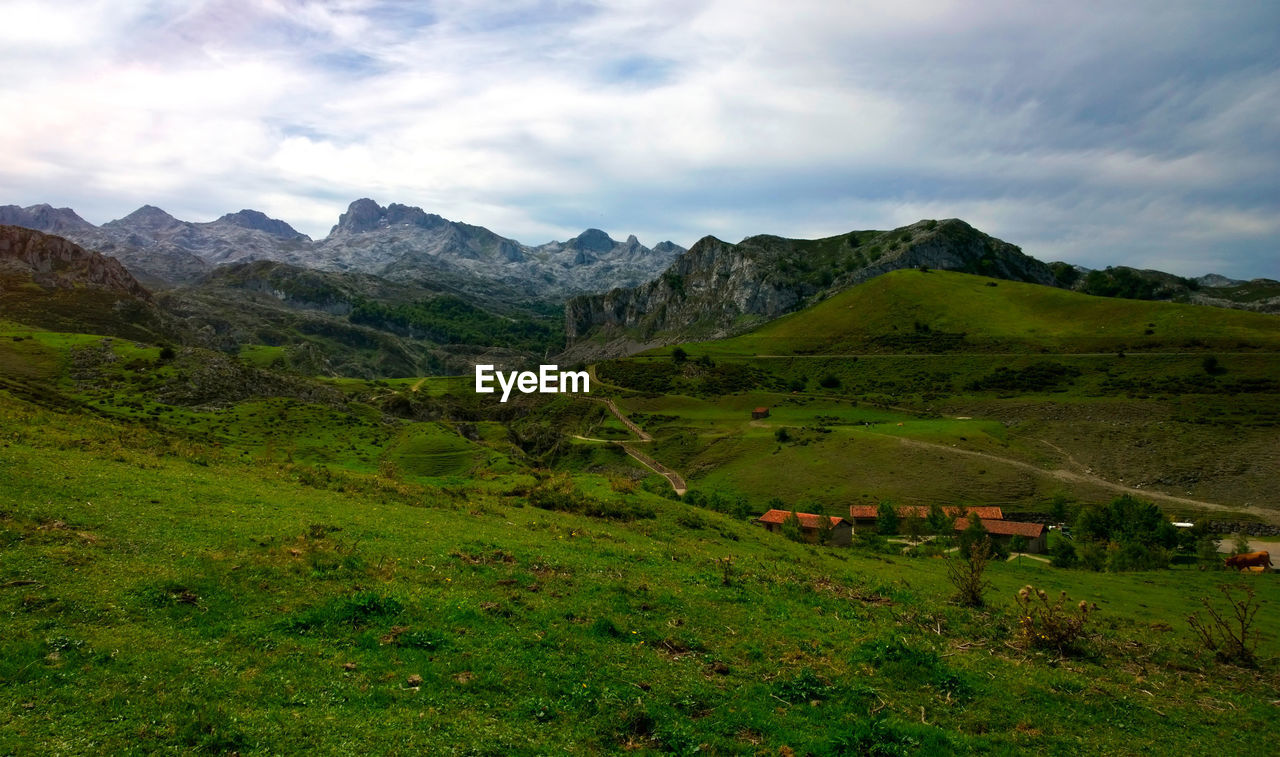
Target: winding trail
column 676, row 481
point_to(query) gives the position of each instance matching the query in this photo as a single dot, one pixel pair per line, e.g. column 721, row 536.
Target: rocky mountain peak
column 259, row 221
column 361, row 216
column 44, row 217
column 147, row 217
column 592, row 240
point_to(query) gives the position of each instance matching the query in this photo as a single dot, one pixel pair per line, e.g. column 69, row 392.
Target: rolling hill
column 911, row 310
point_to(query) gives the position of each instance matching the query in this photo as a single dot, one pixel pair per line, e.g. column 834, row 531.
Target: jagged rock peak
column 259, row 221
column 147, row 216
column 592, row 240
column 44, row 217
column 365, row 215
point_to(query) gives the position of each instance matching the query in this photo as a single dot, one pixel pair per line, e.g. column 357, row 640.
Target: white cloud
column 1093, row 131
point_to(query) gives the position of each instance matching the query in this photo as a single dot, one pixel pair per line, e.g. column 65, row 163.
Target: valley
column 255, row 544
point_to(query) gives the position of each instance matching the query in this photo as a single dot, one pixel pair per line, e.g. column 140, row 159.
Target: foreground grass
column 157, row 596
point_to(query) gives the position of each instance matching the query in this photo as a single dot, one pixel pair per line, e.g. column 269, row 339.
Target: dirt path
column 613, row 408
column 1029, row 556
column 676, row 481
column 672, row 477
column 1078, row 477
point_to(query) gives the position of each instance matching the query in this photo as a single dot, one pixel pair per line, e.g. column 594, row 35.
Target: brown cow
column 1248, row 560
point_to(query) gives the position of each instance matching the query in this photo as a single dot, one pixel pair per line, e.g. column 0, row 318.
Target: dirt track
column 1079, row 477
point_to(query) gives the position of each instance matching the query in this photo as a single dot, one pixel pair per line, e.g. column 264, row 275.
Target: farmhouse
column 864, row 516
column 1002, row 531
column 760, row 412
column 841, row 528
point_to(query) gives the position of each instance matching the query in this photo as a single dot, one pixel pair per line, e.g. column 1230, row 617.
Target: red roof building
column 869, row 512
column 1004, row 531
column 841, row 528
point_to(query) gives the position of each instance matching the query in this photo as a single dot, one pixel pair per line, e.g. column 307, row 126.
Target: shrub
column 791, row 527
column 830, row 381
column 966, row 573
column 1052, row 625
column 1063, row 554
column 1229, row 634
column 825, row 530
column 678, row 355
column 887, row 519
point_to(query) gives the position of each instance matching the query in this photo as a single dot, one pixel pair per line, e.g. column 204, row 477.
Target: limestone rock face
column 56, row 263
column 718, row 289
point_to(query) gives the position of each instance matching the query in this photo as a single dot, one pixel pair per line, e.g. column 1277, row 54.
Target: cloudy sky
column 1138, row 133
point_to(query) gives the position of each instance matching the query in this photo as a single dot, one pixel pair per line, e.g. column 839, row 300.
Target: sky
column 1136, row 133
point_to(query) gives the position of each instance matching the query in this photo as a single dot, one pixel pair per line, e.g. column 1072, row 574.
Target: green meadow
column 162, row 597
column 198, row 555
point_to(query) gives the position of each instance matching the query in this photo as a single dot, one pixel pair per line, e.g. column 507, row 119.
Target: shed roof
column 919, row 511
column 1005, row 527
column 807, row 520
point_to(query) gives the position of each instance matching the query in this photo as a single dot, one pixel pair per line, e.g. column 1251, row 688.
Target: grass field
column 398, row 567
column 158, row 599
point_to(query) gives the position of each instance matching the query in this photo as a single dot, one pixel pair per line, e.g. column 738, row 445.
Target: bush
column 791, row 527
column 1052, row 625
column 966, row 573
column 1229, row 634
column 1063, row 554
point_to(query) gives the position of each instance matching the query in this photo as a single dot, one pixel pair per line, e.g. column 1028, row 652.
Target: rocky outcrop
column 717, row 289
column 56, row 263
column 258, row 221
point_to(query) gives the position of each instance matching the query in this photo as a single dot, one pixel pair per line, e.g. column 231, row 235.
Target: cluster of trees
column 450, row 320
column 1129, row 534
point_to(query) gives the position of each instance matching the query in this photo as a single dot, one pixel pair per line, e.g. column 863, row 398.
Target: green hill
column 936, row 311
column 163, row 592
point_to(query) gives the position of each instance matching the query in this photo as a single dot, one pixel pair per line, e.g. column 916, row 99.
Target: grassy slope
column 1155, row 418
column 152, row 602
column 1009, row 312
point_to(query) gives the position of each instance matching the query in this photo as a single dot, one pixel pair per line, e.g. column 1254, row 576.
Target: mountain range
column 395, row 290
column 397, row 242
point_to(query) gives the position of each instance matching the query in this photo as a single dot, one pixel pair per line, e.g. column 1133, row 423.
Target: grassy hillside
column 160, row 594
column 997, row 392
column 914, row 311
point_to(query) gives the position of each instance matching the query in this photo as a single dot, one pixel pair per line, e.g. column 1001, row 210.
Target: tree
column 914, row 528
column 1018, row 543
column 940, row 524
column 678, row 355
column 825, row 530
column 1240, row 545
column 1063, row 554
column 1207, row 553
column 974, row 533
column 1058, row 508
column 782, row 435
column 791, row 527
column 887, row 519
